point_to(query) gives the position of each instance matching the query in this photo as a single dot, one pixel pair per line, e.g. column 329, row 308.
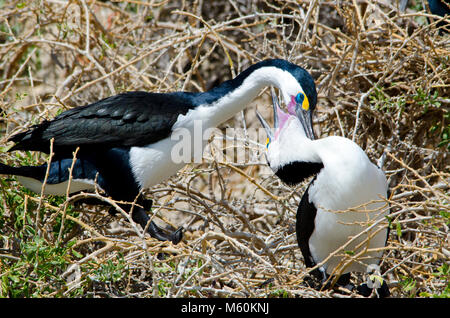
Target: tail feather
column 17, row 138
column 33, row 177
column 31, row 139
column 5, row 169
column 25, row 171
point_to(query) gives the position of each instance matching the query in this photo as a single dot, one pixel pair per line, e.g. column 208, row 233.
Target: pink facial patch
column 282, row 119
column 291, row 106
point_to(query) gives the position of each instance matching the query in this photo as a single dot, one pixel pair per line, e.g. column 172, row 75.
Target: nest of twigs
column 383, row 80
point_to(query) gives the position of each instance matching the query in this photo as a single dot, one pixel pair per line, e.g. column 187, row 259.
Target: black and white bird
column 437, row 7
column 343, row 199
column 125, row 141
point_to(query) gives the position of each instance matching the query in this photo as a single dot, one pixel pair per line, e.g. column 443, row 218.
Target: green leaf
column 398, row 228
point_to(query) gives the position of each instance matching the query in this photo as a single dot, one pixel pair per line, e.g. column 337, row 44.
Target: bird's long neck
column 227, row 99
column 293, row 156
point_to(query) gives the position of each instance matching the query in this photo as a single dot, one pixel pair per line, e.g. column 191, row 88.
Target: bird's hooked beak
column 304, row 114
column 269, row 132
column 276, row 120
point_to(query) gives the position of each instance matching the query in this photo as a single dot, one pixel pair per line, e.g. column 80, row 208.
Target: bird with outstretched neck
column 442, row 9
column 124, row 141
column 439, row 8
column 344, row 204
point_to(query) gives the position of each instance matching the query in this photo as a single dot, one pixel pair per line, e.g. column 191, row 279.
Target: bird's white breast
column 153, row 164
column 348, row 180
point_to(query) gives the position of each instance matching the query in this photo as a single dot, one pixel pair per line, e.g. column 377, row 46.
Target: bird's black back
column 124, row 120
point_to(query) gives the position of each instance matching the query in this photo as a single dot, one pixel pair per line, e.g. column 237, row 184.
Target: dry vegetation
column 382, row 78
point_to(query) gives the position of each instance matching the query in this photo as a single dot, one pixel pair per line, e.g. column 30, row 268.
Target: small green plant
column 33, row 263
column 408, row 286
column 131, row 7
column 378, row 99
column 21, row 96
column 111, row 271
column 443, row 273
column 446, row 216
column 39, row 262
column 383, row 102
column 21, row 5
column 398, row 230
column 444, row 131
column 279, row 293
column 162, row 287
column 426, row 99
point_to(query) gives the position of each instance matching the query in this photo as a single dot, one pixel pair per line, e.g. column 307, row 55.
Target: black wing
column 124, row 120
column 306, row 214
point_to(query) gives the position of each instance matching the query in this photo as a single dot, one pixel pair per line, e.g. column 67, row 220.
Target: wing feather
column 124, row 120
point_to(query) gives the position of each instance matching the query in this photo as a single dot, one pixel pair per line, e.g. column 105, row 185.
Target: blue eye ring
column 299, row 98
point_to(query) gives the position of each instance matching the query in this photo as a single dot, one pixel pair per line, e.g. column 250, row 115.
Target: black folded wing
column 124, row 120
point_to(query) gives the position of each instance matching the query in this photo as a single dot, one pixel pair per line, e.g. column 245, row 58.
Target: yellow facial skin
column 305, row 104
column 267, row 142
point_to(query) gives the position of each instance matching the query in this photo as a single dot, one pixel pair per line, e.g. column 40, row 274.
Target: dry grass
column 383, row 80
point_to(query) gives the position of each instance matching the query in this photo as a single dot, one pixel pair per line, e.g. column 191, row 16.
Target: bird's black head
column 300, row 97
column 304, row 93
column 295, row 84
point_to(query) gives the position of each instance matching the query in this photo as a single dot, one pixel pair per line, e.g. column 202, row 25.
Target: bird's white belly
column 332, row 230
column 348, row 196
column 154, row 164
column 76, row 185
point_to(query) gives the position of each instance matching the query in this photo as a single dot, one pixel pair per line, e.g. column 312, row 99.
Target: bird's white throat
column 233, row 102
